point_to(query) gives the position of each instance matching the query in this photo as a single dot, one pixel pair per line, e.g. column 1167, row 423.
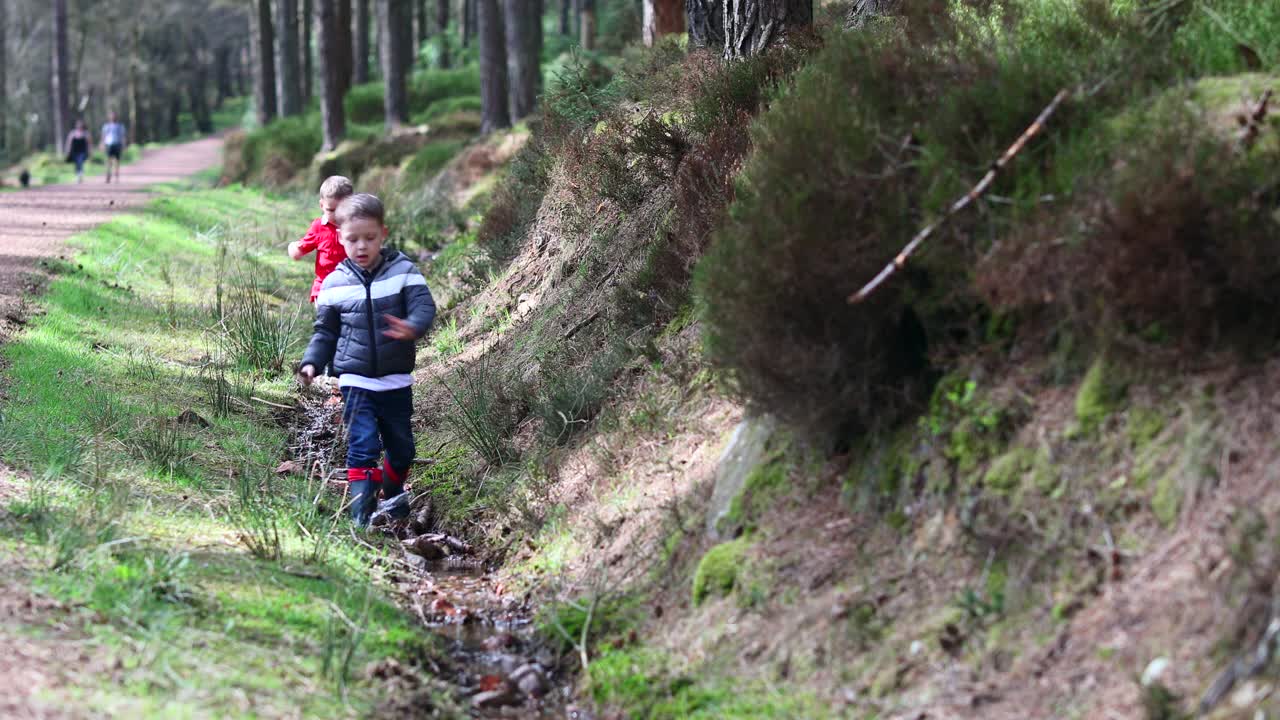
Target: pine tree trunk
column 344, row 53
column 175, row 115
column 587, row 22
column 136, row 114
column 468, row 21
column 361, row 44
column 705, row 19
column 391, row 19
column 308, row 12
column 751, row 26
column 333, row 119
column 566, row 6
column 58, row 79
column 199, row 91
column 288, row 87
column 494, row 113
column 523, row 24
column 4, row 96
column 264, row 80
column 408, row 44
column 424, row 23
column 442, row 27
column 222, row 70
column 662, row 17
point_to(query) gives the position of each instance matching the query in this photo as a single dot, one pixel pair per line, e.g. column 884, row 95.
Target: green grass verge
column 145, row 525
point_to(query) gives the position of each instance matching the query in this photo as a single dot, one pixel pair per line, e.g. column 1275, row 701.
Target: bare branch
column 965, row 200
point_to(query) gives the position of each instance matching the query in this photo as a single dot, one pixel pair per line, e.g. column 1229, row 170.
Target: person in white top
column 113, row 137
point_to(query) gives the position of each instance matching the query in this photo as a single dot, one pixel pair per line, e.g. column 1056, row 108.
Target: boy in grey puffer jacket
column 369, row 313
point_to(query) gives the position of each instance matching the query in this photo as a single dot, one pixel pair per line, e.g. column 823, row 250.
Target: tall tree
column 264, row 80
column 566, row 8
column 4, row 95
column 662, row 17
column 58, row 78
column 468, row 21
column 222, row 74
column 333, row 120
column 523, row 24
column 706, row 23
column 442, row 27
column 198, row 85
column 288, row 85
column 424, row 22
column 343, row 49
column 308, row 11
column 494, row 113
column 361, row 44
column 392, row 15
column 750, row 26
column 587, row 24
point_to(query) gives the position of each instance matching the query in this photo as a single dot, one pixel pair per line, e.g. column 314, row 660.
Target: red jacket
column 323, row 238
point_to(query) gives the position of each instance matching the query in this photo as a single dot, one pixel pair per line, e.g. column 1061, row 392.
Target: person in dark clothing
column 370, row 311
column 78, row 143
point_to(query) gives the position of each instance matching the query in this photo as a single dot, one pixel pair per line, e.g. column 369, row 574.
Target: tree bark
column 333, row 119
column 566, row 6
column 587, row 23
column 361, row 44
column 199, row 87
column 344, row 54
column 662, row 17
column 442, row 27
column 391, row 19
column 424, row 24
column 308, row 68
column 468, row 21
column 58, row 79
column 494, row 113
column 408, row 44
column 264, row 61
column 288, row 87
column 751, row 26
column 4, row 96
column 175, row 115
column 705, row 19
column 523, row 25
column 222, row 74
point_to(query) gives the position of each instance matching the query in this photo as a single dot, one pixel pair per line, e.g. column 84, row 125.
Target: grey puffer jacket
column 350, row 321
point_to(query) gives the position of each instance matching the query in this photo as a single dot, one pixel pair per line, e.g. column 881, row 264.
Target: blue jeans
column 378, row 420
column 79, row 159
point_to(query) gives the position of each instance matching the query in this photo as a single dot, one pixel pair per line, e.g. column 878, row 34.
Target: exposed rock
column 495, row 698
column 531, row 680
column 741, row 455
column 424, row 546
column 190, row 417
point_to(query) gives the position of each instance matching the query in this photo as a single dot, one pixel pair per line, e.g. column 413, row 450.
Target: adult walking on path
column 113, row 139
column 78, row 143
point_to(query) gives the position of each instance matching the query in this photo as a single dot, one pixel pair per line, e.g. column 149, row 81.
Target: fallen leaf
column 490, row 682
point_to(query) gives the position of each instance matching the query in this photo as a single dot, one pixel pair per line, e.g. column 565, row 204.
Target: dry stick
column 1254, row 120
column 976, row 192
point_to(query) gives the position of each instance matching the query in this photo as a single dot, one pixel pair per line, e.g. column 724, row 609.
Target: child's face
column 328, row 206
column 362, row 239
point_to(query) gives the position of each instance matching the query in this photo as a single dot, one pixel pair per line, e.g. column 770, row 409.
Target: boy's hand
column 294, row 252
column 306, row 374
column 399, row 330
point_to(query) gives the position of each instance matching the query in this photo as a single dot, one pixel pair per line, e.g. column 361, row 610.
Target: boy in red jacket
column 323, row 235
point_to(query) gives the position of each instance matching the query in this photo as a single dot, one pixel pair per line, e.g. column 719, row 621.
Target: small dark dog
column 25, row 178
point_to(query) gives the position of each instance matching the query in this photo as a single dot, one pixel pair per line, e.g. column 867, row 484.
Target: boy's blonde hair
column 336, row 187
column 361, row 205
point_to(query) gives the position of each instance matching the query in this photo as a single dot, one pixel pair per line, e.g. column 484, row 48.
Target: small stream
column 495, row 660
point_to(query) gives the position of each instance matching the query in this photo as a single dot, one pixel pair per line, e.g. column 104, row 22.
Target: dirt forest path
column 35, row 223
column 39, row 653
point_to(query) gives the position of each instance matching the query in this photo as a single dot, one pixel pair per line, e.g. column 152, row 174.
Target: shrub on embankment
column 907, row 117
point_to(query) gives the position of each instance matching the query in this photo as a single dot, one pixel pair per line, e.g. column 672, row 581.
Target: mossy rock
column 717, row 572
column 1006, row 472
column 1101, row 393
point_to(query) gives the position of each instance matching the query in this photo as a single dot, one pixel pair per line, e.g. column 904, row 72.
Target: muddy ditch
column 496, row 665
